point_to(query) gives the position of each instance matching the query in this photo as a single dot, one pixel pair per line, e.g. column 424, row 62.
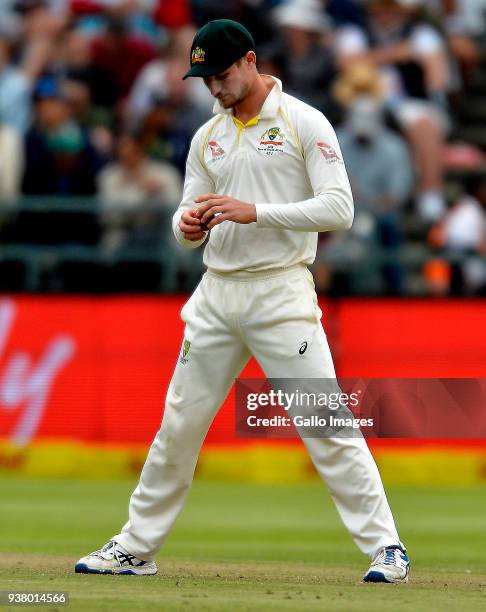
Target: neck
column 252, row 103
column 133, row 165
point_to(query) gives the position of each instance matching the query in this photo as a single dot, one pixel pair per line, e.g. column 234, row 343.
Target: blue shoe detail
column 374, row 576
column 82, row 568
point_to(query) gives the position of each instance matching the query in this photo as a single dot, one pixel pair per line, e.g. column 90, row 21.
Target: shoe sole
column 380, row 577
column 82, row 568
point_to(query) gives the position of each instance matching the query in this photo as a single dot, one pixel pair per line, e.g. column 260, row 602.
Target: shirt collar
column 269, row 108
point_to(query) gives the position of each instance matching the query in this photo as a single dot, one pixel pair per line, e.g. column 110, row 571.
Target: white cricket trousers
column 228, row 319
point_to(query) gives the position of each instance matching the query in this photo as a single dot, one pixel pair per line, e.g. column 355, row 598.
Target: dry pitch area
column 244, row 547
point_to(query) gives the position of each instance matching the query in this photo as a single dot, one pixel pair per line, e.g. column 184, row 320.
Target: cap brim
column 205, row 71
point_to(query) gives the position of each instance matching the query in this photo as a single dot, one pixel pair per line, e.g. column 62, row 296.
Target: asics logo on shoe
column 126, row 559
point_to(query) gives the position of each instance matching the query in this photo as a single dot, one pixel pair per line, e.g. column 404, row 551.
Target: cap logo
column 197, row 56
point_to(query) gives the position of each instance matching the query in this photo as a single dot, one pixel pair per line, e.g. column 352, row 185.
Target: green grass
column 244, row 547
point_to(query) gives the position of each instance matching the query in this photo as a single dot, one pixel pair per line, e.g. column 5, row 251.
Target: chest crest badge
column 272, row 141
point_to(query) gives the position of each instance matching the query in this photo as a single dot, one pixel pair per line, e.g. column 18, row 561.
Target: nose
column 214, row 88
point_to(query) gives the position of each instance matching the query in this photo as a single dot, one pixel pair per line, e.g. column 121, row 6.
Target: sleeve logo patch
column 328, row 152
column 216, row 150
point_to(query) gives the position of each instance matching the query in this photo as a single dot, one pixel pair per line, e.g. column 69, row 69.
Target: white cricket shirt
column 287, row 162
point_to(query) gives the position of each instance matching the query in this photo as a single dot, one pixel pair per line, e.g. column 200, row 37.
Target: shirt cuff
column 263, row 215
column 187, row 244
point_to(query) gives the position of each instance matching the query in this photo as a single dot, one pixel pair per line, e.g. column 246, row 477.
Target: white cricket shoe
column 114, row 559
column 390, row 565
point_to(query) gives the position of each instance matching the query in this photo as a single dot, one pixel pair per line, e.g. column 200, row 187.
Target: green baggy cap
column 216, row 46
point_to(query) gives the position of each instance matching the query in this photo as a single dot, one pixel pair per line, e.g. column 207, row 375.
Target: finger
column 190, row 220
column 189, row 229
column 208, row 196
column 209, row 204
column 194, row 237
column 219, row 219
column 209, row 214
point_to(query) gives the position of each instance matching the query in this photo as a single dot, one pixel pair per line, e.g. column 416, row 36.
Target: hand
column 190, row 225
column 218, row 208
column 398, row 53
column 152, row 185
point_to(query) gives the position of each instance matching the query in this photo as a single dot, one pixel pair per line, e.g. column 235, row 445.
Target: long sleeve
column 331, row 208
column 197, row 182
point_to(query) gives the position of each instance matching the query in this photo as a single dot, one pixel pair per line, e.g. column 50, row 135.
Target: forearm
column 36, row 57
column 382, row 55
column 435, row 69
column 323, row 213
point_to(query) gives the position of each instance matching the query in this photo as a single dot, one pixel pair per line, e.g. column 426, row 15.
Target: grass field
column 244, row 547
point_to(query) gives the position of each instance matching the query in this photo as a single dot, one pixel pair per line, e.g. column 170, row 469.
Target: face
column 77, row 50
column 129, row 152
column 386, row 14
column 231, row 86
column 52, row 112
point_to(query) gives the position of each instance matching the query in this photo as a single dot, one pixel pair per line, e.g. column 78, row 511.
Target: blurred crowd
column 92, row 103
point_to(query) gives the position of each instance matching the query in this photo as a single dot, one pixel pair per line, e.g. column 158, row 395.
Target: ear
column 250, row 58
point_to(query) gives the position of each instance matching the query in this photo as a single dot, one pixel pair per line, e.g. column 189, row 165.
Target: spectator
column 464, row 22
column 462, row 236
column 306, row 60
column 16, row 82
column 380, row 172
column 59, row 157
column 377, row 159
column 161, row 137
column 162, row 79
column 122, row 54
column 135, row 191
column 75, row 62
column 92, row 16
column 411, row 55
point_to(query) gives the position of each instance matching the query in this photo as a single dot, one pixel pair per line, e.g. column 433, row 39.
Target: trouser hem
column 125, row 541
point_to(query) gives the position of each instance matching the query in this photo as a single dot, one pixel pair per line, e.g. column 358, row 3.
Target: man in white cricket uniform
column 264, row 175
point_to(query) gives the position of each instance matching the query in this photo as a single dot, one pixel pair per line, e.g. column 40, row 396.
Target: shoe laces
column 389, row 556
column 107, row 552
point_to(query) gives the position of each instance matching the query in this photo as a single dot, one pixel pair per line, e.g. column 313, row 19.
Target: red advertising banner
column 96, row 369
